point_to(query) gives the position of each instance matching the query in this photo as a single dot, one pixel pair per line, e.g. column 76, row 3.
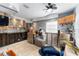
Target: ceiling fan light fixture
column 49, row 10
column 49, row 3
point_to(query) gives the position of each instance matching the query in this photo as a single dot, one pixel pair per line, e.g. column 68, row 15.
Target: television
column 4, row 20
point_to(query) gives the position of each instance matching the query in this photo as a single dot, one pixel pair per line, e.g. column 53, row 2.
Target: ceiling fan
column 51, row 6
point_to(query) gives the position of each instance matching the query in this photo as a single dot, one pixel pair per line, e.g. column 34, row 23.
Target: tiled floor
column 23, row 48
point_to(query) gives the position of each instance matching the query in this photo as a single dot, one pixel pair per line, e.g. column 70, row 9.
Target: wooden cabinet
column 30, row 37
column 9, row 38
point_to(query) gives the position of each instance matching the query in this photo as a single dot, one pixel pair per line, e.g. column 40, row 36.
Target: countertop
column 12, row 31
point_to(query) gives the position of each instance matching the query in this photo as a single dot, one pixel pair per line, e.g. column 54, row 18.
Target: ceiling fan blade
column 54, row 7
column 51, row 6
column 47, row 7
column 54, row 4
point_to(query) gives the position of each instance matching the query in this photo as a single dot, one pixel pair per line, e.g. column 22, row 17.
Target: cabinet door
column 0, row 40
column 4, row 38
column 7, row 42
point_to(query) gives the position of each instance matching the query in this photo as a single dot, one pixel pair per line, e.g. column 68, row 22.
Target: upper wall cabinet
column 66, row 19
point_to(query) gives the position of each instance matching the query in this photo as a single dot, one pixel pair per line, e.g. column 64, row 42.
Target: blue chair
column 62, row 53
column 48, row 51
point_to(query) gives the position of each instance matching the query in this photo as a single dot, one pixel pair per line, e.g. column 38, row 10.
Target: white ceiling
column 35, row 10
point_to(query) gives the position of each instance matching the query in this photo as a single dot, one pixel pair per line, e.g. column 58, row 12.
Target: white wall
column 42, row 23
column 76, row 26
column 52, row 27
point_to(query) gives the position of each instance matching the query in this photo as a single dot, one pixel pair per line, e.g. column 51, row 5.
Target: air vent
column 25, row 6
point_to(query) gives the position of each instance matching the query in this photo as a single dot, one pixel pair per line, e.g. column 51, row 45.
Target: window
column 51, row 27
